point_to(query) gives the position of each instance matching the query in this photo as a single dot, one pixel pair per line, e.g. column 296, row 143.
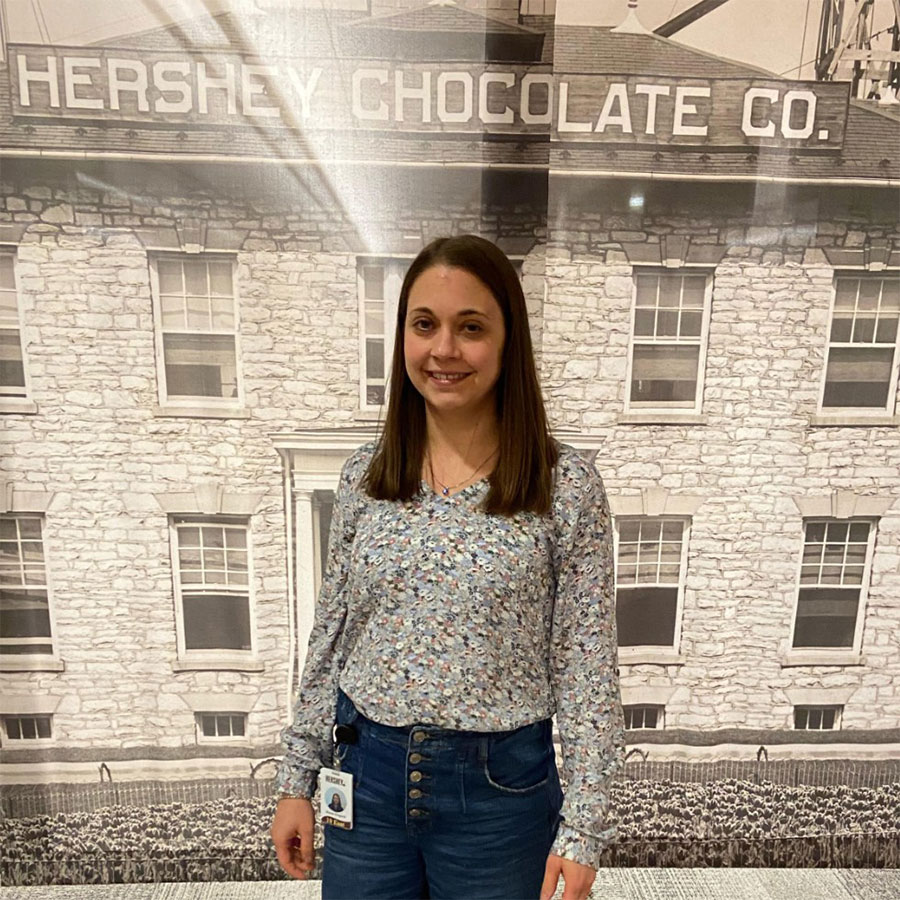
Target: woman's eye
column 421, row 323
column 472, row 327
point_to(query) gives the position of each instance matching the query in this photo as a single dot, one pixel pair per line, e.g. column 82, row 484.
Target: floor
column 610, row 884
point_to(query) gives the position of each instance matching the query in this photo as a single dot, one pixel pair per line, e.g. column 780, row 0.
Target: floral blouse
column 434, row 611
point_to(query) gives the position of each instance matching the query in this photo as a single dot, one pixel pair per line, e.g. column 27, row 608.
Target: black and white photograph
column 450, row 448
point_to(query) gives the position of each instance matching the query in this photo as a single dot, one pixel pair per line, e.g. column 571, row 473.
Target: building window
column 817, row 718
column 12, row 361
column 196, row 310
column 24, row 598
column 379, row 282
column 648, row 581
column 537, row 7
column 643, row 716
column 668, row 339
column 27, row 728
column 862, row 349
column 832, row 574
column 213, row 583
column 216, row 726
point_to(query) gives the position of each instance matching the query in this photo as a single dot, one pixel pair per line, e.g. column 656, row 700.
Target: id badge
column 336, row 798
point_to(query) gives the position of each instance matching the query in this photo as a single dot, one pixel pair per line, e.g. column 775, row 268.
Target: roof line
column 687, row 47
column 20, row 153
column 376, row 20
column 677, row 176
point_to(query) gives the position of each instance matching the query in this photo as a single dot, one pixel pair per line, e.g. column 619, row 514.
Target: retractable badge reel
column 336, row 787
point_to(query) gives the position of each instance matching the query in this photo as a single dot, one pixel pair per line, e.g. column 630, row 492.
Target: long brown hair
column 522, row 480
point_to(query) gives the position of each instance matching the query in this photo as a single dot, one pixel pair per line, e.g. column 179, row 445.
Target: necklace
column 446, row 488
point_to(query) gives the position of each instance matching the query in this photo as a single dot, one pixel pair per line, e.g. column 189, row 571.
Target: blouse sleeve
column 584, row 674
column 307, row 741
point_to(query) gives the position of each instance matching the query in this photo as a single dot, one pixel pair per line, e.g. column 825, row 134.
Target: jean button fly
column 419, row 736
column 415, row 793
column 415, row 758
column 415, row 776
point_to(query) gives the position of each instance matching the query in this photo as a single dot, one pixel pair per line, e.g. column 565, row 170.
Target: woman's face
column 454, row 327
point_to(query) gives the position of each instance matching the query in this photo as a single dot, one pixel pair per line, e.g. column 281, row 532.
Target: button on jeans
column 441, row 814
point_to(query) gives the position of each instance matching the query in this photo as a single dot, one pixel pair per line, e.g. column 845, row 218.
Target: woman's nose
column 445, row 343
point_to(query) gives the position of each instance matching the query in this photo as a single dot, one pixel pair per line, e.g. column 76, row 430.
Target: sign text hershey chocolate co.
column 125, row 86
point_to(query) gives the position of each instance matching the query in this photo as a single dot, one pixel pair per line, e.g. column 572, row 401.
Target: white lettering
column 790, row 98
column 487, row 115
column 166, row 85
column 305, row 89
column 563, row 123
column 136, row 86
column 615, row 94
column 402, row 93
column 27, row 75
column 444, row 114
column 379, row 113
column 528, row 117
column 206, row 84
column 72, row 78
column 250, row 87
column 750, row 98
column 683, row 109
column 653, row 92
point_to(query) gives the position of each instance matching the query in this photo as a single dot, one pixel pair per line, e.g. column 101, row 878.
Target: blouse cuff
column 292, row 782
column 580, row 847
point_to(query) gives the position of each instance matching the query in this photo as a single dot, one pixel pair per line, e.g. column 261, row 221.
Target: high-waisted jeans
column 443, row 814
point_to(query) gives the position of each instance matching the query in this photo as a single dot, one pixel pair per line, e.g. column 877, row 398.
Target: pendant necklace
column 446, row 488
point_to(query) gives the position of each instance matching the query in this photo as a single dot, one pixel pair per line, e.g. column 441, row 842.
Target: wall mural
column 206, row 212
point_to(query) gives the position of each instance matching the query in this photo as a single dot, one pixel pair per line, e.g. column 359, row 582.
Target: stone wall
column 766, row 353
column 96, row 444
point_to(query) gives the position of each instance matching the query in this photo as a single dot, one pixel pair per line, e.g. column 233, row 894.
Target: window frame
column 37, row 661
column 547, row 8
column 392, row 263
column 212, row 658
column 838, row 709
column 15, row 402
column 826, row 653
column 629, row 709
column 24, row 743
column 634, row 654
column 202, row 738
column 189, row 403
column 890, row 407
column 639, row 407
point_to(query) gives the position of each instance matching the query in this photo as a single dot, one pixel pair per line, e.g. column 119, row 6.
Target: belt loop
column 483, row 750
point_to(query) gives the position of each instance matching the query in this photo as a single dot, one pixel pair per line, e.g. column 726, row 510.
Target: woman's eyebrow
column 462, row 312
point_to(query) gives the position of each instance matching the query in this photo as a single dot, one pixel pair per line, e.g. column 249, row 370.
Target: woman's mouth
column 448, row 377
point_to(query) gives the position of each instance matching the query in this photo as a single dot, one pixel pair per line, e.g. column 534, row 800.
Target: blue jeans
column 440, row 814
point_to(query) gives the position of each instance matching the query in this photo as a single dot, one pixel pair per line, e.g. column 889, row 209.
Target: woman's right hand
column 292, row 835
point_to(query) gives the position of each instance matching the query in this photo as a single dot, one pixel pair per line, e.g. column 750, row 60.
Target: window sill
column 821, row 658
column 219, row 664
column 18, row 405
column 369, row 415
column 202, row 412
column 836, row 420
column 32, row 664
column 649, row 656
column 662, row 418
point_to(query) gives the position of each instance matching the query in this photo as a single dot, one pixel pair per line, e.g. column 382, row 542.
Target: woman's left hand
column 578, row 878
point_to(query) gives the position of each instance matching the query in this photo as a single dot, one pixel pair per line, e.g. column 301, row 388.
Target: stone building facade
column 196, row 337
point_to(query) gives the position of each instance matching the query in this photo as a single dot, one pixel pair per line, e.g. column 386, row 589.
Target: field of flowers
column 661, row 823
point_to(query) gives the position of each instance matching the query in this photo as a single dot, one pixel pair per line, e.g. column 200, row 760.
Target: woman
column 468, row 595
